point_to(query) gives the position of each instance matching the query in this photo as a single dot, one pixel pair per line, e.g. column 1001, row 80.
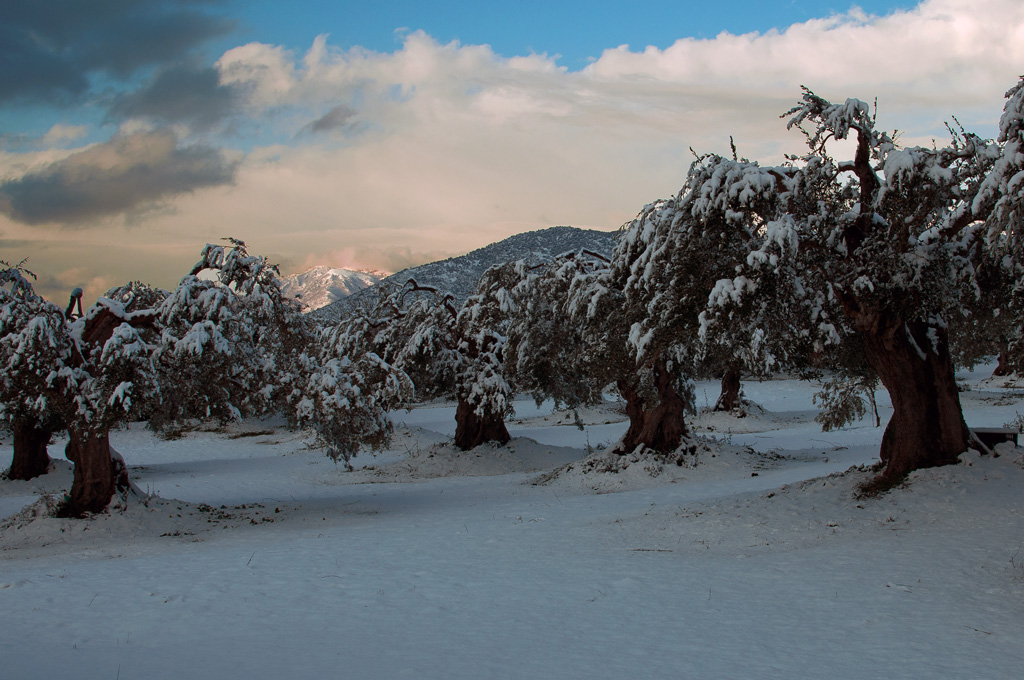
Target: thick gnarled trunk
column 472, row 430
column 927, row 428
column 661, row 428
column 729, row 399
column 30, row 458
column 97, row 477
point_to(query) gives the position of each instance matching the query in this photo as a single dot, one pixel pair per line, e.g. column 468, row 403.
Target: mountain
column 320, row 286
column 458, row 275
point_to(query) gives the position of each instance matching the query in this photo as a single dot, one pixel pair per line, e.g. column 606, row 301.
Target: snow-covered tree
column 657, row 395
column 231, row 345
column 484, row 395
column 999, row 305
column 30, row 345
column 548, row 352
column 352, row 381
column 83, row 375
column 224, row 345
column 220, row 348
column 136, row 295
column 107, row 379
column 672, row 257
column 568, row 340
column 412, row 326
column 458, row 352
column 890, row 245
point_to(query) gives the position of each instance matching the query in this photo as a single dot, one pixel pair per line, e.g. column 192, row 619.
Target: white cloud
column 266, row 69
column 59, row 134
column 941, row 59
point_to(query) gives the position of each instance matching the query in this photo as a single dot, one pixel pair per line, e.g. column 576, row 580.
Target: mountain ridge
column 458, row 275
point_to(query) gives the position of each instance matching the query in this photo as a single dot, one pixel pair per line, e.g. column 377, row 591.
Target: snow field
column 428, row 563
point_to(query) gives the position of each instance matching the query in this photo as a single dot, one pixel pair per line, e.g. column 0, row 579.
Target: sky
column 388, row 134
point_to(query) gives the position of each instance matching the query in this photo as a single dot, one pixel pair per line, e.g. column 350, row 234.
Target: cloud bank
column 128, row 175
column 186, row 93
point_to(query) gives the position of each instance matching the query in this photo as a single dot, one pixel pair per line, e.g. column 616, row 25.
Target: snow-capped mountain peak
column 322, row 285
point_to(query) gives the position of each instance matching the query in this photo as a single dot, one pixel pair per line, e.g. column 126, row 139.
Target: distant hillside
column 458, row 275
column 320, row 286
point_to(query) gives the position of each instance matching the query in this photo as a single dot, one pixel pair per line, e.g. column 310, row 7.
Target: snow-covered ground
column 259, row 557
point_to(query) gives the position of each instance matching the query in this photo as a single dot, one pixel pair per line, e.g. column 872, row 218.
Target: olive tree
column 890, row 246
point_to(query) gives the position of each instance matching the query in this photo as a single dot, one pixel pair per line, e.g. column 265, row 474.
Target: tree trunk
column 729, row 399
column 635, row 411
column 472, row 430
column 97, row 478
column 927, row 428
column 661, row 428
column 30, row 457
column 1003, row 368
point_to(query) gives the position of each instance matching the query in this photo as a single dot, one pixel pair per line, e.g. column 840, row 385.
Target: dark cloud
column 130, row 175
column 184, row 93
column 30, row 72
column 49, row 49
column 339, row 118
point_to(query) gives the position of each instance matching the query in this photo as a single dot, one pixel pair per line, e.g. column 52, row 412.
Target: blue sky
column 385, row 134
column 577, row 31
